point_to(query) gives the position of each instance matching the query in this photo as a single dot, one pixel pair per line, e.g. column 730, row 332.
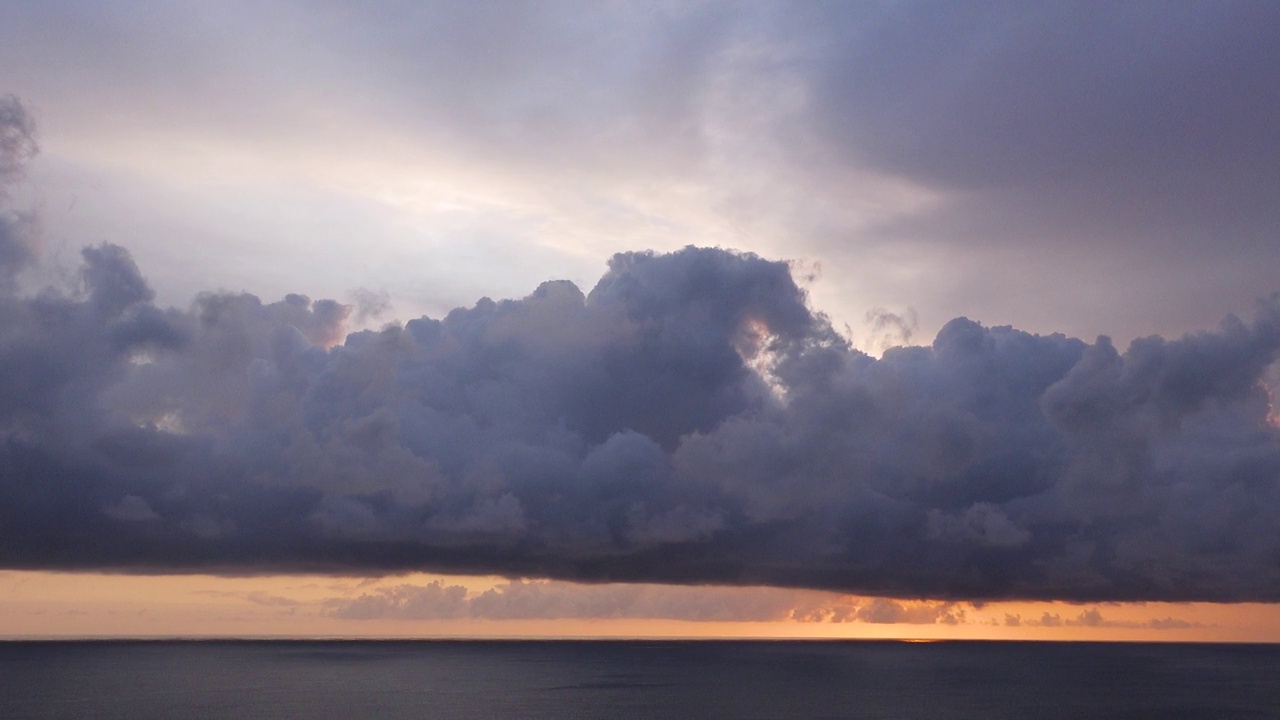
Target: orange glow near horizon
column 65, row 605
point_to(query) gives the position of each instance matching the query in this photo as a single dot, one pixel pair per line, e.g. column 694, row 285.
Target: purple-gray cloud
column 1131, row 143
column 689, row 420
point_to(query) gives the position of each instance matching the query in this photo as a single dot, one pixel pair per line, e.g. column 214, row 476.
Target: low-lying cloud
column 551, row 600
column 557, row 600
column 690, row 420
column 554, row 600
column 1093, row 618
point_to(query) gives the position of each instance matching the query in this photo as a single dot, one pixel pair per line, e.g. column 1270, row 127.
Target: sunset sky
column 875, row 319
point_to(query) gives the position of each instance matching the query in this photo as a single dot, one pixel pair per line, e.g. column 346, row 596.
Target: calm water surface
column 636, row 679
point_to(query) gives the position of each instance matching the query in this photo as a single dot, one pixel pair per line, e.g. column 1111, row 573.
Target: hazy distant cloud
column 130, row 507
column 432, row 601
column 255, row 597
column 555, row 600
column 544, row 600
column 1093, row 618
column 1165, row 623
column 885, row 611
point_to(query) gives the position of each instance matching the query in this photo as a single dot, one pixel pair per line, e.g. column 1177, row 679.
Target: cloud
column 543, row 600
column 17, row 147
column 1093, row 618
column 1060, row 135
column 690, row 420
column 886, row 611
column 255, row 597
column 947, row 160
column 17, row 140
column 130, row 507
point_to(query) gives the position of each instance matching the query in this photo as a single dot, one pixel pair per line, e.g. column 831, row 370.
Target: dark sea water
column 636, row 679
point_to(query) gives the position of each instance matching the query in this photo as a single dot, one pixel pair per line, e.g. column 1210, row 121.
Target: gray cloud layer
column 690, row 420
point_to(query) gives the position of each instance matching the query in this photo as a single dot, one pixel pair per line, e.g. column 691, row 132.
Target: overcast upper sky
column 683, row 415
column 1084, row 168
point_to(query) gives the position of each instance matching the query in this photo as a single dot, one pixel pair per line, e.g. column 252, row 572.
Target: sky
column 668, row 318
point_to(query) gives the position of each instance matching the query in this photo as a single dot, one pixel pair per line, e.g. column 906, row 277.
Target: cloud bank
column 689, row 420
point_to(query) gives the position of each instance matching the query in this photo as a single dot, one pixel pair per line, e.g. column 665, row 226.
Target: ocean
column 622, row 680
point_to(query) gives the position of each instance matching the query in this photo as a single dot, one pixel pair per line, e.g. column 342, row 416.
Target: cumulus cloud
column 1093, row 618
column 690, row 419
column 886, row 611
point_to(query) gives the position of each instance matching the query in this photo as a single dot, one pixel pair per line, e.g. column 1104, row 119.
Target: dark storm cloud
column 690, row 420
